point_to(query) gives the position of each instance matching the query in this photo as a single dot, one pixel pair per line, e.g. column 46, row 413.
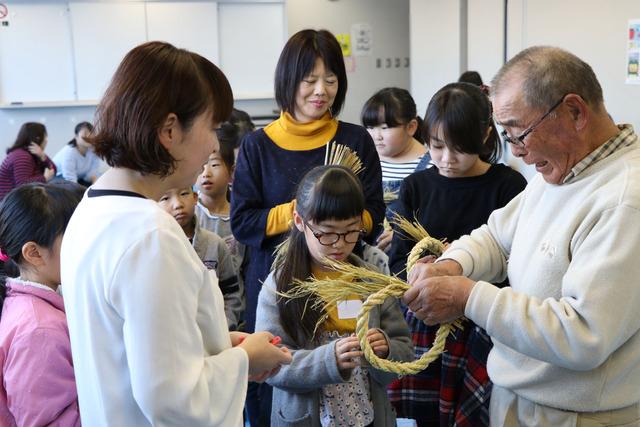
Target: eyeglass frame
column 518, row 141
column 319, row 234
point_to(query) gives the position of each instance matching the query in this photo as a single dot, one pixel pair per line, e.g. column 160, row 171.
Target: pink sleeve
column 39, row 379
column 24, row 169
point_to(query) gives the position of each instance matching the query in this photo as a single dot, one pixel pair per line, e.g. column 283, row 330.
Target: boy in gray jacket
column 211, row 249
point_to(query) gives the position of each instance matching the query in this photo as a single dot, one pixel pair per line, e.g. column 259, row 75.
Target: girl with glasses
column 325, row 383
column 451, row 199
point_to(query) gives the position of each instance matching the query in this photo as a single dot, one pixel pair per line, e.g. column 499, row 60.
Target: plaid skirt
column 454, row 389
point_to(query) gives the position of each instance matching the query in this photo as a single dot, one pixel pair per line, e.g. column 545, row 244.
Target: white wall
column 485, row 37
column 435, row 47
column 389, row 20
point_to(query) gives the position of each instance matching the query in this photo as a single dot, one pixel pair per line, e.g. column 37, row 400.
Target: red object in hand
column 275, row 340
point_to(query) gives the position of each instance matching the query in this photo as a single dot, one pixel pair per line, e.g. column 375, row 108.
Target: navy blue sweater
column 449, row 208
column 267, row 175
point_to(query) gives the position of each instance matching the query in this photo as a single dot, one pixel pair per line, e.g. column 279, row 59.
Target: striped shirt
column 21, row 167
column 622, row 139
column 398, row 171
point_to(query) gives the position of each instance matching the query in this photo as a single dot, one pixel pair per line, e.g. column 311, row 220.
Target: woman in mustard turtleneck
column 310, row 88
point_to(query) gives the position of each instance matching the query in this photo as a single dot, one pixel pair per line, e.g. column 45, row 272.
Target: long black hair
column 464, row 114
column 82, row 125
column 392, row 106
column 325, row 192
column 36, row 213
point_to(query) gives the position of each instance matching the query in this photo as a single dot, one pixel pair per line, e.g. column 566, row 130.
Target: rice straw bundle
column 279, row 254
column 426, row 245
column 341, row 155
column 376, row 288
column 389, row 196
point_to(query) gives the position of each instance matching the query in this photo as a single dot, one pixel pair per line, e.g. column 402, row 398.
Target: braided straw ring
column 435, row 247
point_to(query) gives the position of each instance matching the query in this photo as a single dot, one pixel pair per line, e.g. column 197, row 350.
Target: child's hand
column 266, row 375
column 264, row 357
column 378, row 342
column 237, row 337
column 348, row 353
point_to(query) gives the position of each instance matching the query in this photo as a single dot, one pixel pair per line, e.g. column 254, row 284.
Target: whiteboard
column 252, row 36
column 102, row 34
column 36, row 62
column 188, row 25
column 57, row 52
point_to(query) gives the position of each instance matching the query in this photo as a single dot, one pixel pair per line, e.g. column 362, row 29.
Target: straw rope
column 376, row 288
column 396, row 290
column 428, row 244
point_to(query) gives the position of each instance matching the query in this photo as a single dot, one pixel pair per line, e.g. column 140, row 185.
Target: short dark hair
column 464, row 114
column 82, row 125
column 472, row 77
column 154, row 80
column 242, row 121
column 32, row 213
column 394, row 107
column 29, row 132
column 297, row 61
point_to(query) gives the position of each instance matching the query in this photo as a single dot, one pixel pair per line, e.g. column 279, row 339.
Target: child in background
column 325, row 382
column 212, row 209
column 241, row 120
column 450, row 200
column 474, row 78
column 211, row 249
column 390, row 117
column 38, row 384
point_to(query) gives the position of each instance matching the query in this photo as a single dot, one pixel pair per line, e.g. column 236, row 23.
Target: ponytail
column 8, row 268
column 422, row 139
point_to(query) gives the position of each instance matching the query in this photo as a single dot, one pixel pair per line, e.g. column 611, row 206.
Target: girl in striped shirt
column 391, row 119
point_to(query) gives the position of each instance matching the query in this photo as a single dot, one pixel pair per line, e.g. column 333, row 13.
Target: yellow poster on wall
column 345, row 43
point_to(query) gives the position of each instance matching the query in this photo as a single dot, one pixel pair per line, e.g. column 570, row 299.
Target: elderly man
column 566, row 333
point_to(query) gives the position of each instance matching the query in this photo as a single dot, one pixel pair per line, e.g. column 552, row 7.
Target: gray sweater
column 297, row 387
column 213, row 252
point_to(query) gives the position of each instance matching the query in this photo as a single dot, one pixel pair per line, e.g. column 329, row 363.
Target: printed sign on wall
column 361, row 39
column 633, row 52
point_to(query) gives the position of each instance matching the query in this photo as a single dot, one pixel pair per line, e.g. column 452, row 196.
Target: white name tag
column 349, row 309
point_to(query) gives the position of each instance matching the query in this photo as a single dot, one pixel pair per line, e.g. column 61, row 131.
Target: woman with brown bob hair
column 310, row 88
column 146, row 318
